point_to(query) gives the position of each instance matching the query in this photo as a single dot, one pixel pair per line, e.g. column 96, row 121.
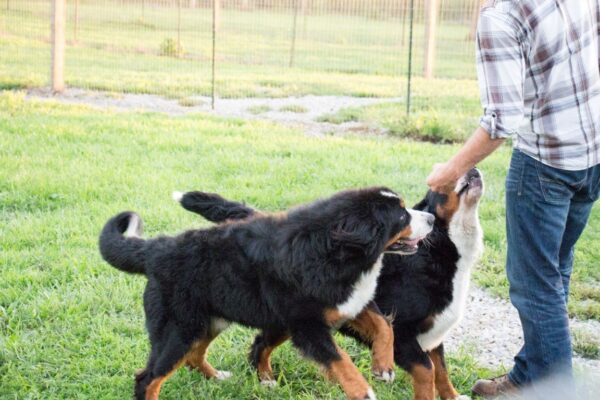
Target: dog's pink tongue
column 412, row 242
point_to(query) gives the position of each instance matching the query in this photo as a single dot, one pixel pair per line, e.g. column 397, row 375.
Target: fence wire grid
column 262, row 48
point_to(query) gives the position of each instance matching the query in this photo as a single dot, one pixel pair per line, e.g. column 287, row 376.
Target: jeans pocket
column 514, row 177
column 553, row 184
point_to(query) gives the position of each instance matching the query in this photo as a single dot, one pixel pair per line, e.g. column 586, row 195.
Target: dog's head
column 365, row 223
column 459, row 198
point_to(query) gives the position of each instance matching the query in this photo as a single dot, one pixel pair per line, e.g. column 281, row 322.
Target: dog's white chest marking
column 363, row 293
column 465, row 232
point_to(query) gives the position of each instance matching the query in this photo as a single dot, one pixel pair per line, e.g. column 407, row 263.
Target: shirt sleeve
column 500, row 70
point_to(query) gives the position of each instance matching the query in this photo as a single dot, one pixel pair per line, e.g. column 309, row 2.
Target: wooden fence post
column 57, row 27
column 474, row 19
column 76, row 21
column 431, row 13
column 179, row 52
column 217, row 14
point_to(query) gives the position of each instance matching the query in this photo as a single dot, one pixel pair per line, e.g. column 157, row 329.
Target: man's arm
column 479, row 146
column 500, row 71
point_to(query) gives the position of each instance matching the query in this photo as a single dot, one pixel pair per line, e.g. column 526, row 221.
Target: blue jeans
column 546, row 211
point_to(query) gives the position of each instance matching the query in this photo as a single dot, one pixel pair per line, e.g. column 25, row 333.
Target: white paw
column 222, row 375
column 177, row 196
column 269, row 383
column 371, row 395
column 462, row 397
column 386, row 376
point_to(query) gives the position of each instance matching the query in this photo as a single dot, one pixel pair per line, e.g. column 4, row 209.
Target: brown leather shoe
column 493, row 388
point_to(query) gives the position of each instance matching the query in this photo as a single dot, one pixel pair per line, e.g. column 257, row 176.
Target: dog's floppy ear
column 423, row 204
column 356, row 236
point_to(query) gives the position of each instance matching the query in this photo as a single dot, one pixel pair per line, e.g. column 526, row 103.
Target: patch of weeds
column 295, row 108
column 190, row 102
column 258, row 109
column 586, row 345
column 114, row 95
column 342, row 116
column 424, row 126
column 170, row 48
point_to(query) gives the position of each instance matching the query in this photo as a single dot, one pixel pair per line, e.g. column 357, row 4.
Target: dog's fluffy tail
column 212, row 206
column 120, row 243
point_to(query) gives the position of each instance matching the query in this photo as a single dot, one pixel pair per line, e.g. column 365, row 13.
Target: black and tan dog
column 292, row 275
column 425, row 292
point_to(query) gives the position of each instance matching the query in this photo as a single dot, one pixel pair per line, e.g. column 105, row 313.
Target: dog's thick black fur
column 279, row 273
column 414, row 289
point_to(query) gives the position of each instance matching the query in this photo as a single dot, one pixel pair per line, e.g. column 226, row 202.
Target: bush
column 169, row 48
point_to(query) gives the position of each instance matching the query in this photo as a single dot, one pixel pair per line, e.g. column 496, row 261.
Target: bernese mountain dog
column 425, row 292
column 292, row 275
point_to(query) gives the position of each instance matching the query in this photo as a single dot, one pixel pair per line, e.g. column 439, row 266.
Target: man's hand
column 442, row 175
column 477, row 147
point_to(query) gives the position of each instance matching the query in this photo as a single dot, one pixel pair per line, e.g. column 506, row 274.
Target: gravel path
column 491, row 332
column 490, row 329
column 313, row 107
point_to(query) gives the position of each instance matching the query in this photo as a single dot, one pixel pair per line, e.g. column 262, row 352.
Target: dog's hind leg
column 442, row 382
column 260, row 354
column 313, row 338
column 167, row 356
column 196, row 359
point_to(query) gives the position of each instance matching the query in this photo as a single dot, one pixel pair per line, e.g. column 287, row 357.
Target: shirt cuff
column 494, row 126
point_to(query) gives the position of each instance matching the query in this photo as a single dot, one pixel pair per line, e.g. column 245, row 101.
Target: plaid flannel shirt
column 539, row 72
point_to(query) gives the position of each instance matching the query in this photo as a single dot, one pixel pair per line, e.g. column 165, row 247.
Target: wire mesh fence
column 260, row 48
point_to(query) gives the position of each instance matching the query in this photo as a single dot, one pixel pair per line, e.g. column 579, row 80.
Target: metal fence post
column 215, row 4
column 293, row 48
column 57, row 28
column 410, row 49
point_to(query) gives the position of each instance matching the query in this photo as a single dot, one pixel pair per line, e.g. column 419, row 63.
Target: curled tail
column 120, row 244
column 212, row 206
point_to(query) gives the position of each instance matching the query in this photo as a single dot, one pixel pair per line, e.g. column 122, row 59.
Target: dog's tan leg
column 349, row 377
column 153, row 388
column 423, row 382
column 442, row 382
column 377, row 330
column 196, row 359
column 265, row 372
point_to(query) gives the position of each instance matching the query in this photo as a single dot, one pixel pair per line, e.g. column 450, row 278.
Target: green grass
column 258, row 109
column 442, row 111
column 295, row 108
column 586, row 345
column 190, row 102
column 72, row 327
column 118, row 50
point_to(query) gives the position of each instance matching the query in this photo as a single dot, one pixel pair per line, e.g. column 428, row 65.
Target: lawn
column 72, row 327
column 119, row 49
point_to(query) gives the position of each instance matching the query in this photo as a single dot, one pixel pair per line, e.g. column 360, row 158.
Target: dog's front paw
column 268, row 382
column 385, row 376
column 222, row 375
column 370, row 395
column 462, row 397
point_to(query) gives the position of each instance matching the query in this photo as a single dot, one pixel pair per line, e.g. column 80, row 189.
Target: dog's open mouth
column 405, row 246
